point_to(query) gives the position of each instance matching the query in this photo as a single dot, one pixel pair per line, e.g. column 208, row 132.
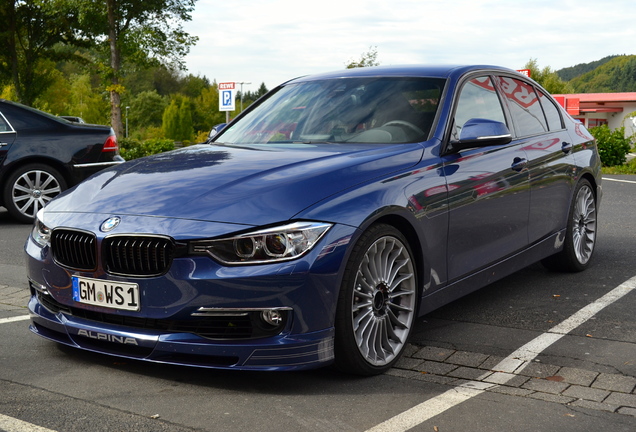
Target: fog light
column 272, row 317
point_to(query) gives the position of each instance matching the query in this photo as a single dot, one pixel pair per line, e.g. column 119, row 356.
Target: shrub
column 132, row 148
column 612, row 145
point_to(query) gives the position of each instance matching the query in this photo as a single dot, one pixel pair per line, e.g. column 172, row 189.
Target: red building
column 595, row 109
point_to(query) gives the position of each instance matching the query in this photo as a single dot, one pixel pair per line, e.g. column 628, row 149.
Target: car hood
column 254, row 185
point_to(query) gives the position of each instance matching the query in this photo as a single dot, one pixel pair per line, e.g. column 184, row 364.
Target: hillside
column 618, row 74
column 569, row 73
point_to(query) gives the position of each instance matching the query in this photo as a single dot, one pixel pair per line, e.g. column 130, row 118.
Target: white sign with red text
column 227, row 96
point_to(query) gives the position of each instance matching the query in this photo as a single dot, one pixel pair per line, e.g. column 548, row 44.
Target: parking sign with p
column 226, row 96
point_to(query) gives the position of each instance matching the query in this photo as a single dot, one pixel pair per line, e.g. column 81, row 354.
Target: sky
column 272, row 41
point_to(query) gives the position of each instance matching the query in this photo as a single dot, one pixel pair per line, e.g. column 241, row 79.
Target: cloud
column 278, row 40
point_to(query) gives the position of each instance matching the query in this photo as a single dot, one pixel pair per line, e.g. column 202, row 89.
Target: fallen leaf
column 555, row 378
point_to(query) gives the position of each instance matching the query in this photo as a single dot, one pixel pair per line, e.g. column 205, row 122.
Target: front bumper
column 283, row 352
column 306, row 289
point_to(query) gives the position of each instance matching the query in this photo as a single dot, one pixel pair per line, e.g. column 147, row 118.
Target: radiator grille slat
column 130, row 255
column 138, row 256
column 74, row 249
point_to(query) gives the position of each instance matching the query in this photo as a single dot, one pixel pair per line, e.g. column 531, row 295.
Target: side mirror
column 215, row 130
column 479, row 132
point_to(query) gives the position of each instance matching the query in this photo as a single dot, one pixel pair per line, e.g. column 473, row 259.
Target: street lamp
column 241, row 83
column 127, row 121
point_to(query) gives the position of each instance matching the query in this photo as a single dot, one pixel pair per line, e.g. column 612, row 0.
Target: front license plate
column 105, row 293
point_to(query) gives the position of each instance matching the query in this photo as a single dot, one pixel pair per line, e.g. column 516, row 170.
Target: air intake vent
column 74, row 249
column 143, row 256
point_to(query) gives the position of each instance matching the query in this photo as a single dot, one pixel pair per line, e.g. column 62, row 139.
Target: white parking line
column 10, row 424
column 14, row 319
column 505, row 370
column 618, row 180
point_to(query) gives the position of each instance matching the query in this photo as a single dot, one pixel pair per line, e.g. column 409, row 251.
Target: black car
column 41, row 155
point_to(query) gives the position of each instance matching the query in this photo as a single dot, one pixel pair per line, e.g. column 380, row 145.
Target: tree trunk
column 115, row 65
column 13, row 53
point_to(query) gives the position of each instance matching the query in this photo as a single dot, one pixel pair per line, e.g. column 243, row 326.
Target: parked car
column 41, row 155
column 318, row 225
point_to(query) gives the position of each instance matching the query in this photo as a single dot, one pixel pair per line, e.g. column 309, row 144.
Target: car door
column 540, row 131
column 7, row 137
column 488, row 188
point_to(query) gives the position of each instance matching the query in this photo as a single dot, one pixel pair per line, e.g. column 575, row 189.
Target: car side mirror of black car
column 215, row 130
column 478, row 132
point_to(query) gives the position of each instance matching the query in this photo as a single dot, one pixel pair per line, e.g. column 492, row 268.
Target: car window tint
column 4, row 126
column 525, row 108
column 478, row 99
column 551, row 112
column 356, row 110
column 22, row 119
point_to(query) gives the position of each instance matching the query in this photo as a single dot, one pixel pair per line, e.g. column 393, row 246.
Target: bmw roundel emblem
column 110, row 224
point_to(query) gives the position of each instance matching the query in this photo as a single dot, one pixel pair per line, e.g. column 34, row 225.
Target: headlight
column 41, row 234
column 270, row 245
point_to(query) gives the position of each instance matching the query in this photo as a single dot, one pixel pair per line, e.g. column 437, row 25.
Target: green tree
column 616, row 75
column 206, row 109
column 31, row 37
column 146, row 109
column 369, row 58
column 144, row 33
column 177, row 119
column 547, row 78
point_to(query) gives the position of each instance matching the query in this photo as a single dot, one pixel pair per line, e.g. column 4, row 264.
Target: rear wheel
column 377, row 304
column 580, row 234
column 29, row 188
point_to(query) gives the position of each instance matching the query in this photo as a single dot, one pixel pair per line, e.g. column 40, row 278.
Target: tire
column 377, row 304
column 580, row 233
column 29, row 188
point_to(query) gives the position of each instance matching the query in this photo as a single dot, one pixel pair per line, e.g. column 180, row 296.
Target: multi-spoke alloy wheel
column 30, row 189
column 378, row 303
column 580, row 235
column 584, row 224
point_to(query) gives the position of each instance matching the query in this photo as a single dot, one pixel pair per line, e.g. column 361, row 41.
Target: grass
column 628, row 168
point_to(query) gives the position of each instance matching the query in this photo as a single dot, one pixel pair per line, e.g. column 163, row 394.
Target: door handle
column 519, row 164
column 566, row 147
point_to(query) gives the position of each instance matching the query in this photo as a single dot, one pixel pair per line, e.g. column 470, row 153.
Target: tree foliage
column 616, row 75
column 612, row 145
column 369, row 58
column 32, row 37
column 547, row 78
column 571, row 72
column 141, row 33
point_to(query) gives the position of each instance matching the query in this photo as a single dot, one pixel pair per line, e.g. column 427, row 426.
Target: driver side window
column 478, row 99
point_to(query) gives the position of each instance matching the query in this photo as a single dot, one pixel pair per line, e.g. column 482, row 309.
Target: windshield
column 345, row 110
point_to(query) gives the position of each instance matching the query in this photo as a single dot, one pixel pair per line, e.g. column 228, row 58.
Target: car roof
column 432, row 71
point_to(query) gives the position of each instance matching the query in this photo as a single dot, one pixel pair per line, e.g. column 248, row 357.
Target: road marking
column 14, row 319
column 618, row 180
column 505, row 370
column 10, row 424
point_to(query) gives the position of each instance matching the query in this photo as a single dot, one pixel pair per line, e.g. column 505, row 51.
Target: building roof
column 580, row 103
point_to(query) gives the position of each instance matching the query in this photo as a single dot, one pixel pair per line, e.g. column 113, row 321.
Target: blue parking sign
column 226, row 100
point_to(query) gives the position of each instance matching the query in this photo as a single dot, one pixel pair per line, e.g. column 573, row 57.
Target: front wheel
column 580, row 234
column 377, row 304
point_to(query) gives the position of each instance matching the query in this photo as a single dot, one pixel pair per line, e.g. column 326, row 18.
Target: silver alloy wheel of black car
column 377, row 308
column 30, row 188
column 580, row 234
column 584, row 224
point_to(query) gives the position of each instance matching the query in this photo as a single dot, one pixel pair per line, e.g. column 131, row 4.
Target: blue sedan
column 316, row 227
